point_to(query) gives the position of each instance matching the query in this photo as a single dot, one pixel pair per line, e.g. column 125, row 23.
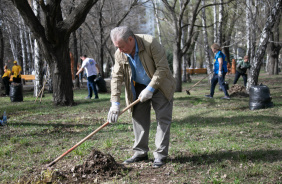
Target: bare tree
column 38, row 62
column 23, row 44
column 156, row 11
column 179, row 51
column 214, row 22
column 206, row 44
column 230, row 19
column 274, row 47
column 53, row 36
column 220, row 23
column 98, row 27
column 1, row 45
column 260, row 52
column 75, row 56
column 74, row 52
column 29, row 51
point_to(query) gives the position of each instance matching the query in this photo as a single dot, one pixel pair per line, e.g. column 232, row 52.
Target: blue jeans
column 215, row 80
column 91, row 85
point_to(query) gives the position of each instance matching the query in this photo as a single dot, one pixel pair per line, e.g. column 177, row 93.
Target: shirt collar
column 136, row 49
column 136, row 46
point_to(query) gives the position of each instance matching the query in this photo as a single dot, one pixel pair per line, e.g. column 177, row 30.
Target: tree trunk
column 184, row 66
column 255, row 69
column 155, row 5
column 53, row 35
column 274, row 49
column 228, row 31
column 101, row 39
column 214, row 23
column 23, row 45
column 28, row 51
column 184, row 58
column 178, row 52
column 177, row 67
column 75, row 55
column 208, row 61
column 253, row 30
column 273, row 52
column 220, row 22
column 273, row 62
column 194, row 57
column 38, row 62
column 1, row 51
column 61, row 76
column 12, row 42
column 189, row 63
column 248, row 26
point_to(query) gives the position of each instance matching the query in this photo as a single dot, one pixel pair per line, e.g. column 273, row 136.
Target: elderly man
column 140, row 62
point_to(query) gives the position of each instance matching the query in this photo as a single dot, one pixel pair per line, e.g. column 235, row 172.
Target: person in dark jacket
column 6, row 80
column 241, row 70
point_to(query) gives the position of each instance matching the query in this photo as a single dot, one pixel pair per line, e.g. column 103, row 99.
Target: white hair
column 121, row 33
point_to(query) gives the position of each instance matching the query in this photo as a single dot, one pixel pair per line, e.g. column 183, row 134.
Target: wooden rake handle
column 198, row 82
column 90, row 135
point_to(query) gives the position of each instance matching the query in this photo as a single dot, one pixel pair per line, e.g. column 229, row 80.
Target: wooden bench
column 28, row 77
column 196, row 70
column 24, row 77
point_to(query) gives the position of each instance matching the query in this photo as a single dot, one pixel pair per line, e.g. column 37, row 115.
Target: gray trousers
column 141, row 118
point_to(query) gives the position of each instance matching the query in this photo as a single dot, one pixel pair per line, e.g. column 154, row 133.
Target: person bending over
column 241, row 70
column 92, row 70
column 140, row 62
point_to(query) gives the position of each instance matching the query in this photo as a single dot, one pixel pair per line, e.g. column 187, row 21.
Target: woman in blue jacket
column 220, row 70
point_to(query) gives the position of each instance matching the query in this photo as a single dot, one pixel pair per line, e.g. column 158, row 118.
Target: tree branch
column 212, row 5
column 29, row 17
column 77, row 16
column 133, row 4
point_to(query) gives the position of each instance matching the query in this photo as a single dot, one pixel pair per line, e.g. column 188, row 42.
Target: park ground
column 212, row 140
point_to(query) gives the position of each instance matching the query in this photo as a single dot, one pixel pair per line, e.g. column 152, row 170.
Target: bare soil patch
column 96, row 168
column 238, row 91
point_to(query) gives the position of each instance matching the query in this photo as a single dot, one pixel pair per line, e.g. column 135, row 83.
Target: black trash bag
column 16, row 92
column 101, row 84
column 259, row 97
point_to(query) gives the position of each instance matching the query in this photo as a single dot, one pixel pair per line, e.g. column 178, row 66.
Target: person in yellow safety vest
column 16, row 71
column 6, row 80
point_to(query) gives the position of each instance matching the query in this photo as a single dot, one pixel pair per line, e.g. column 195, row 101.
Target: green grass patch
column 212, row 140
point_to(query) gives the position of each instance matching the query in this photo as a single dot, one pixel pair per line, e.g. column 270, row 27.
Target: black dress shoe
column 158, row 163
column 135, row 159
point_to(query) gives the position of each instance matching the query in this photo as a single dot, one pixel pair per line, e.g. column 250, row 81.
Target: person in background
column 141, row 63
column 16, row 71
column 6, row 80
column 92, row 70
column 241, row 70
column 220, row 70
